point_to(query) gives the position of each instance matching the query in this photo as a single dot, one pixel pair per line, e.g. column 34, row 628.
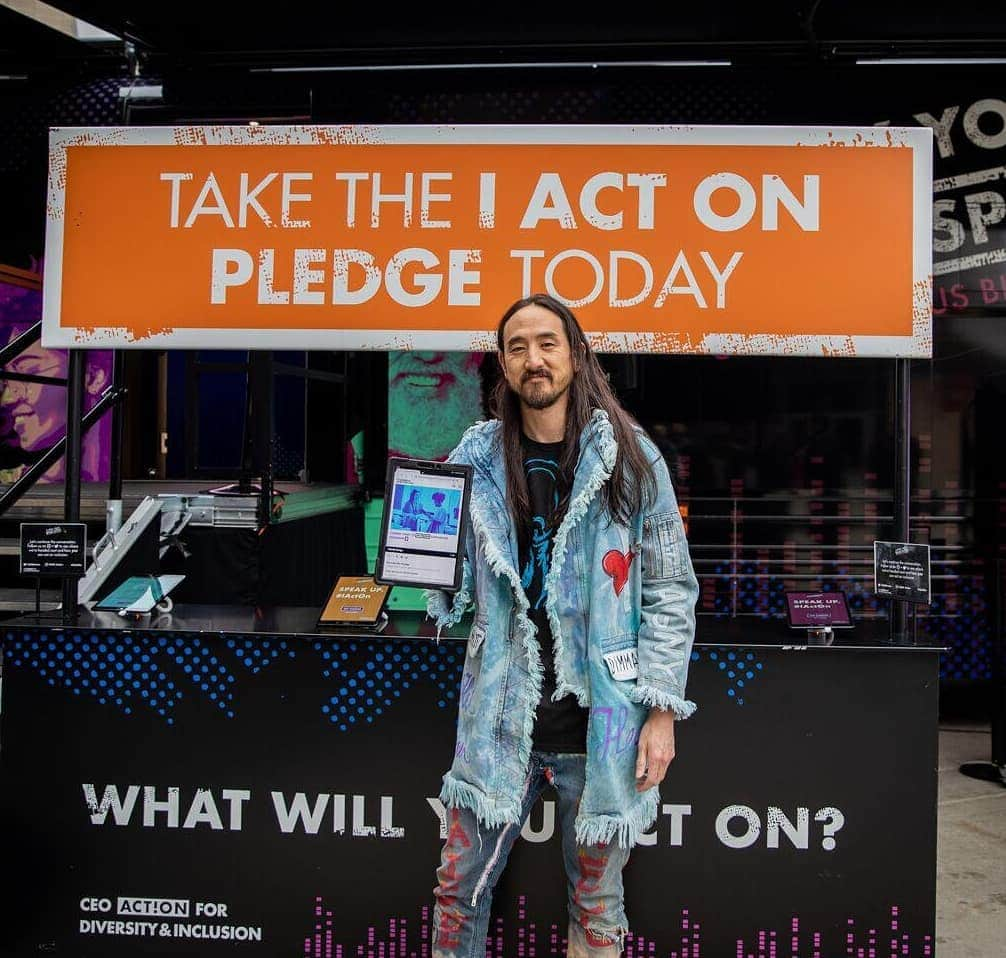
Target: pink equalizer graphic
column 404, row 939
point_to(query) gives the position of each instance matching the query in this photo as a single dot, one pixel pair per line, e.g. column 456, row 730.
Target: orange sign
column 355, row 600
column 714, row 240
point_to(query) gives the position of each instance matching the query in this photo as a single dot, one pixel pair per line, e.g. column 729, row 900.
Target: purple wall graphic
column 33, row 415
column 404, row 939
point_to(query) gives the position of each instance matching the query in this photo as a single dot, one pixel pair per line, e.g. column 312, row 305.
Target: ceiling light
column 59, row 21
column 142, row 91
column 544, row 65
column 931, row 61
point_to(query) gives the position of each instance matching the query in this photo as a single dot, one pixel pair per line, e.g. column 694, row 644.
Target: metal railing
column 748, row 551
column 110, row 397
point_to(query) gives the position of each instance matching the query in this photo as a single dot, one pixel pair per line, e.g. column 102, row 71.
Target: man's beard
column 540, row 395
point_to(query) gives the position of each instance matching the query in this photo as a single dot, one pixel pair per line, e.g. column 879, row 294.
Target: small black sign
column 53, row 548
column 901, row 571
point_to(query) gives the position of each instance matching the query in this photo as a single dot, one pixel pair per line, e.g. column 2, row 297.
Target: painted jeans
column 474, row 857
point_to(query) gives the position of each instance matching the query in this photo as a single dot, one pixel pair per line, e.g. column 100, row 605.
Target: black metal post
column 162, row 415
column 118, row 413
column 999, row 675
column 260, row 384
column 902, row 483
column 995, row 769
column 113, row 506
column 74, row 435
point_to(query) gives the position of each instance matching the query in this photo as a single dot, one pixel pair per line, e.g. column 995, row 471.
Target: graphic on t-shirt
column 542, row 481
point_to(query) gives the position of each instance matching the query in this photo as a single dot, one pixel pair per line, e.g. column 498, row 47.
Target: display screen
column 423, row 523
column 818, row 610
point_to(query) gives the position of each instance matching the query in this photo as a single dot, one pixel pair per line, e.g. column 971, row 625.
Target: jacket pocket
column 664, row 546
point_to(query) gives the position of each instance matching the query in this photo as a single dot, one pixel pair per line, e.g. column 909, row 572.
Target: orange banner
column 745, row 240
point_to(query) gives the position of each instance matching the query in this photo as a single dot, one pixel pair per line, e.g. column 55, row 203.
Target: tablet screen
column 423, row 523
column 818, row 610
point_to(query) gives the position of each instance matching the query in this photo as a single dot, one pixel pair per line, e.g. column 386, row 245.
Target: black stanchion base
column 986, row 771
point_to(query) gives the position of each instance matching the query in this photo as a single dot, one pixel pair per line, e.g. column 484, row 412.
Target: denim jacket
column 621, row 603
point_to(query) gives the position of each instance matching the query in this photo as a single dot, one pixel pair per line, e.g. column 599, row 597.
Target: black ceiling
column 221, row 34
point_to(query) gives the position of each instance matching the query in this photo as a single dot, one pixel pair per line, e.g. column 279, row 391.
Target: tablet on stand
column 818, row 613
column 424, row 524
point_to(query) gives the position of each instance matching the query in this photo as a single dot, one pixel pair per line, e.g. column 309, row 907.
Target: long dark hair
column 632, row 482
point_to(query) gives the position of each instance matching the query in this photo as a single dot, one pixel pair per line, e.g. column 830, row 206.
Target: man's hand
column 655, row 750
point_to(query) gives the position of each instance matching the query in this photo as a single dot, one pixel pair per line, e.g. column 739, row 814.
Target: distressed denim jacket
column 621, row 602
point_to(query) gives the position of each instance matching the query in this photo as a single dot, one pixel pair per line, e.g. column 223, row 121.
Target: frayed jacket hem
column 447, row 610
column 458, row 794
column 667, row 701
column 626, row 829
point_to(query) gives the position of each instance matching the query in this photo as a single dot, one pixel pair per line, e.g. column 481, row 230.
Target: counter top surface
column 303, row 622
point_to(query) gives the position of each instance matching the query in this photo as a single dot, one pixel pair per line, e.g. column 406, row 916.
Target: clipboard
column 424, row 524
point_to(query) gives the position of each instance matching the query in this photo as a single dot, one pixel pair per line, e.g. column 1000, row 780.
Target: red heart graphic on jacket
column 616, row 564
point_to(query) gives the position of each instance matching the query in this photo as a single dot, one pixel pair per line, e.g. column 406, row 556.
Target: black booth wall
column 290, row 563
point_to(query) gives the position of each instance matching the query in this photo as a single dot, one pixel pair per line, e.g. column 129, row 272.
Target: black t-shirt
column 559, row 726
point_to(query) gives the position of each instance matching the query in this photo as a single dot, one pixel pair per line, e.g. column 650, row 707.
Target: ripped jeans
column 474, row 856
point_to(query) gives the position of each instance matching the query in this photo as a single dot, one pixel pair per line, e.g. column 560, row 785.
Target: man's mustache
column 538, row 375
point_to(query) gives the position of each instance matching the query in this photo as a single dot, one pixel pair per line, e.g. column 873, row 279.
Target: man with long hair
column 575, row 672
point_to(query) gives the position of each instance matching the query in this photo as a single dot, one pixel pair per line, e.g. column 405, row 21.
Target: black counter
column 277, row 785
column 303, row 621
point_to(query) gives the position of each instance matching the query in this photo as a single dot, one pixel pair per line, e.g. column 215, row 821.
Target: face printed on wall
column 33, row 414
column 432, row 398
column 36, row 410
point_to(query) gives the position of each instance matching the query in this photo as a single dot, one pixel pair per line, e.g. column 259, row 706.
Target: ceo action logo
column 153, row 907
